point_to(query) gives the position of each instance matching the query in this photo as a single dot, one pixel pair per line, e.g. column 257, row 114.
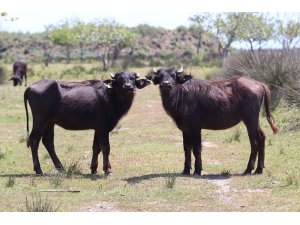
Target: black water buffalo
column 91, row 104
column 196, row 104
column 19, row 71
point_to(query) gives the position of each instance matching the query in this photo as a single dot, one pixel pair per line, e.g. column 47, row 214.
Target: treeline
column 208, row 40
column 109, row 43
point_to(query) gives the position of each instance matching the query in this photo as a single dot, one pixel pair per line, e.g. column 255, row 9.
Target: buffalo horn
column 137, row 75
column 112, row 76
column 180, row 70
column 154, row 70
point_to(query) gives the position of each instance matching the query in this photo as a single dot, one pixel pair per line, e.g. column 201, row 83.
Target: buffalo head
column 16, row 80
column 126, row 82
column 168, row 77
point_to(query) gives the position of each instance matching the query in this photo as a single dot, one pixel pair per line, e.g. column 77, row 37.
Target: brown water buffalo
column 196, row 104
column 19, row 71
column 91, row 104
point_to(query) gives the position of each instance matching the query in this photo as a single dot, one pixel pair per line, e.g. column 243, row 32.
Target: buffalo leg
column 34, row 139
column 96, row 151
column 48, row 141
column 252, row 128
column 25, row 76
column 261, row 151
column 187, row 146
column 104, row 146
column 197, row 153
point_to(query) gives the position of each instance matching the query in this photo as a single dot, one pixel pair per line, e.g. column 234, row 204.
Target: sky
column 34, row 15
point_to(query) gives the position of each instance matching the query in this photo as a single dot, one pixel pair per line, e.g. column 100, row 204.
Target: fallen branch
column 53, row 190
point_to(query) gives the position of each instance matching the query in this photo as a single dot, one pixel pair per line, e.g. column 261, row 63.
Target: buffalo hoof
column 186, row 172
column 197, row 173
column 108, row 174
column 94, row 172
column 247, row 172
column 39, row 173
column 61, row 170
column 258, row 171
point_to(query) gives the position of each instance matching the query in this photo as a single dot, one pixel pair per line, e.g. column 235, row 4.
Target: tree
column 223, row 26
column 65, row 36
column 109, row 38
column 82, row 33
column 44, row 42
column 288, row 33
column 255, row 29
column 199, row 26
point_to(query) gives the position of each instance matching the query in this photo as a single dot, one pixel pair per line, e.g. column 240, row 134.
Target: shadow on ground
column 138, row 179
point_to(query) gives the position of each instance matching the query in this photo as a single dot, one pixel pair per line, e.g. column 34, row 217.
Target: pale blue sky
column 35, row 14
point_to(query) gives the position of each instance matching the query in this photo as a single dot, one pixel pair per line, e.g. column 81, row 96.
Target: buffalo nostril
column 166, row 82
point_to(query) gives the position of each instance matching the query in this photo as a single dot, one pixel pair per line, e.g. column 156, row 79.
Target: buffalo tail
column 27, row 118
column 270, row 118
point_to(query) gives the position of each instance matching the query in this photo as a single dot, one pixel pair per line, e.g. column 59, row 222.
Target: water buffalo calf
column 196, row 104
column 19, row 71
column 91, row 104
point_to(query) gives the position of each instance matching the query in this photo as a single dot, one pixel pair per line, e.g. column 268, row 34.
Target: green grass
column 146, row 146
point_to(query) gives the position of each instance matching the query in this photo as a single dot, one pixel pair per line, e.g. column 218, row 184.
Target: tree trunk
column 105, row 61
column 116, row 55
column 251, row 46
column 47, row 55
column 68, row 53
column 223, row 52
column 81, row 47
column 199, row 42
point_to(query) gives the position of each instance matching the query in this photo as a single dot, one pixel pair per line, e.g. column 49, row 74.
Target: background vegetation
column 146, row 147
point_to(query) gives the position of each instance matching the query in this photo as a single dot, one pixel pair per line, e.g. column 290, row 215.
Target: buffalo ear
column 141, row 83
column 109, row 83
column 183, row 78
column 153, row 77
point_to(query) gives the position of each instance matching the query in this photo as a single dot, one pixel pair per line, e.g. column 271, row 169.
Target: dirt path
column 223, row 191
column 228, row 194
column 101, row 207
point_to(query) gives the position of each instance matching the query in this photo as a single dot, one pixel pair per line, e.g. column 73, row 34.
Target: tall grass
column 280, row 69
column 39, row 204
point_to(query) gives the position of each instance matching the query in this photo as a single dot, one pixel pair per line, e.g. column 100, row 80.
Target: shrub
column 75, row 71
column 225, row 172
column 56, row 179
column 170, row 180
column 280, row 69
column 73, row 169
column 10, row 182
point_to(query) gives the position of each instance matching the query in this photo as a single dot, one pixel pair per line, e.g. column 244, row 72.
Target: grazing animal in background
column 196, row 104
column 91, row 104
column 19, row 71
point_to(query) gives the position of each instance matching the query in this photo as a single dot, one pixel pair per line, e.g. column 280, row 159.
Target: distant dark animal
column 19, row 71
column 91, row 104
column 196, row 104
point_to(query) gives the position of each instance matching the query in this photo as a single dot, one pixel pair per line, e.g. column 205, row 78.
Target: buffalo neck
column 171, row 100
column 120, row 104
